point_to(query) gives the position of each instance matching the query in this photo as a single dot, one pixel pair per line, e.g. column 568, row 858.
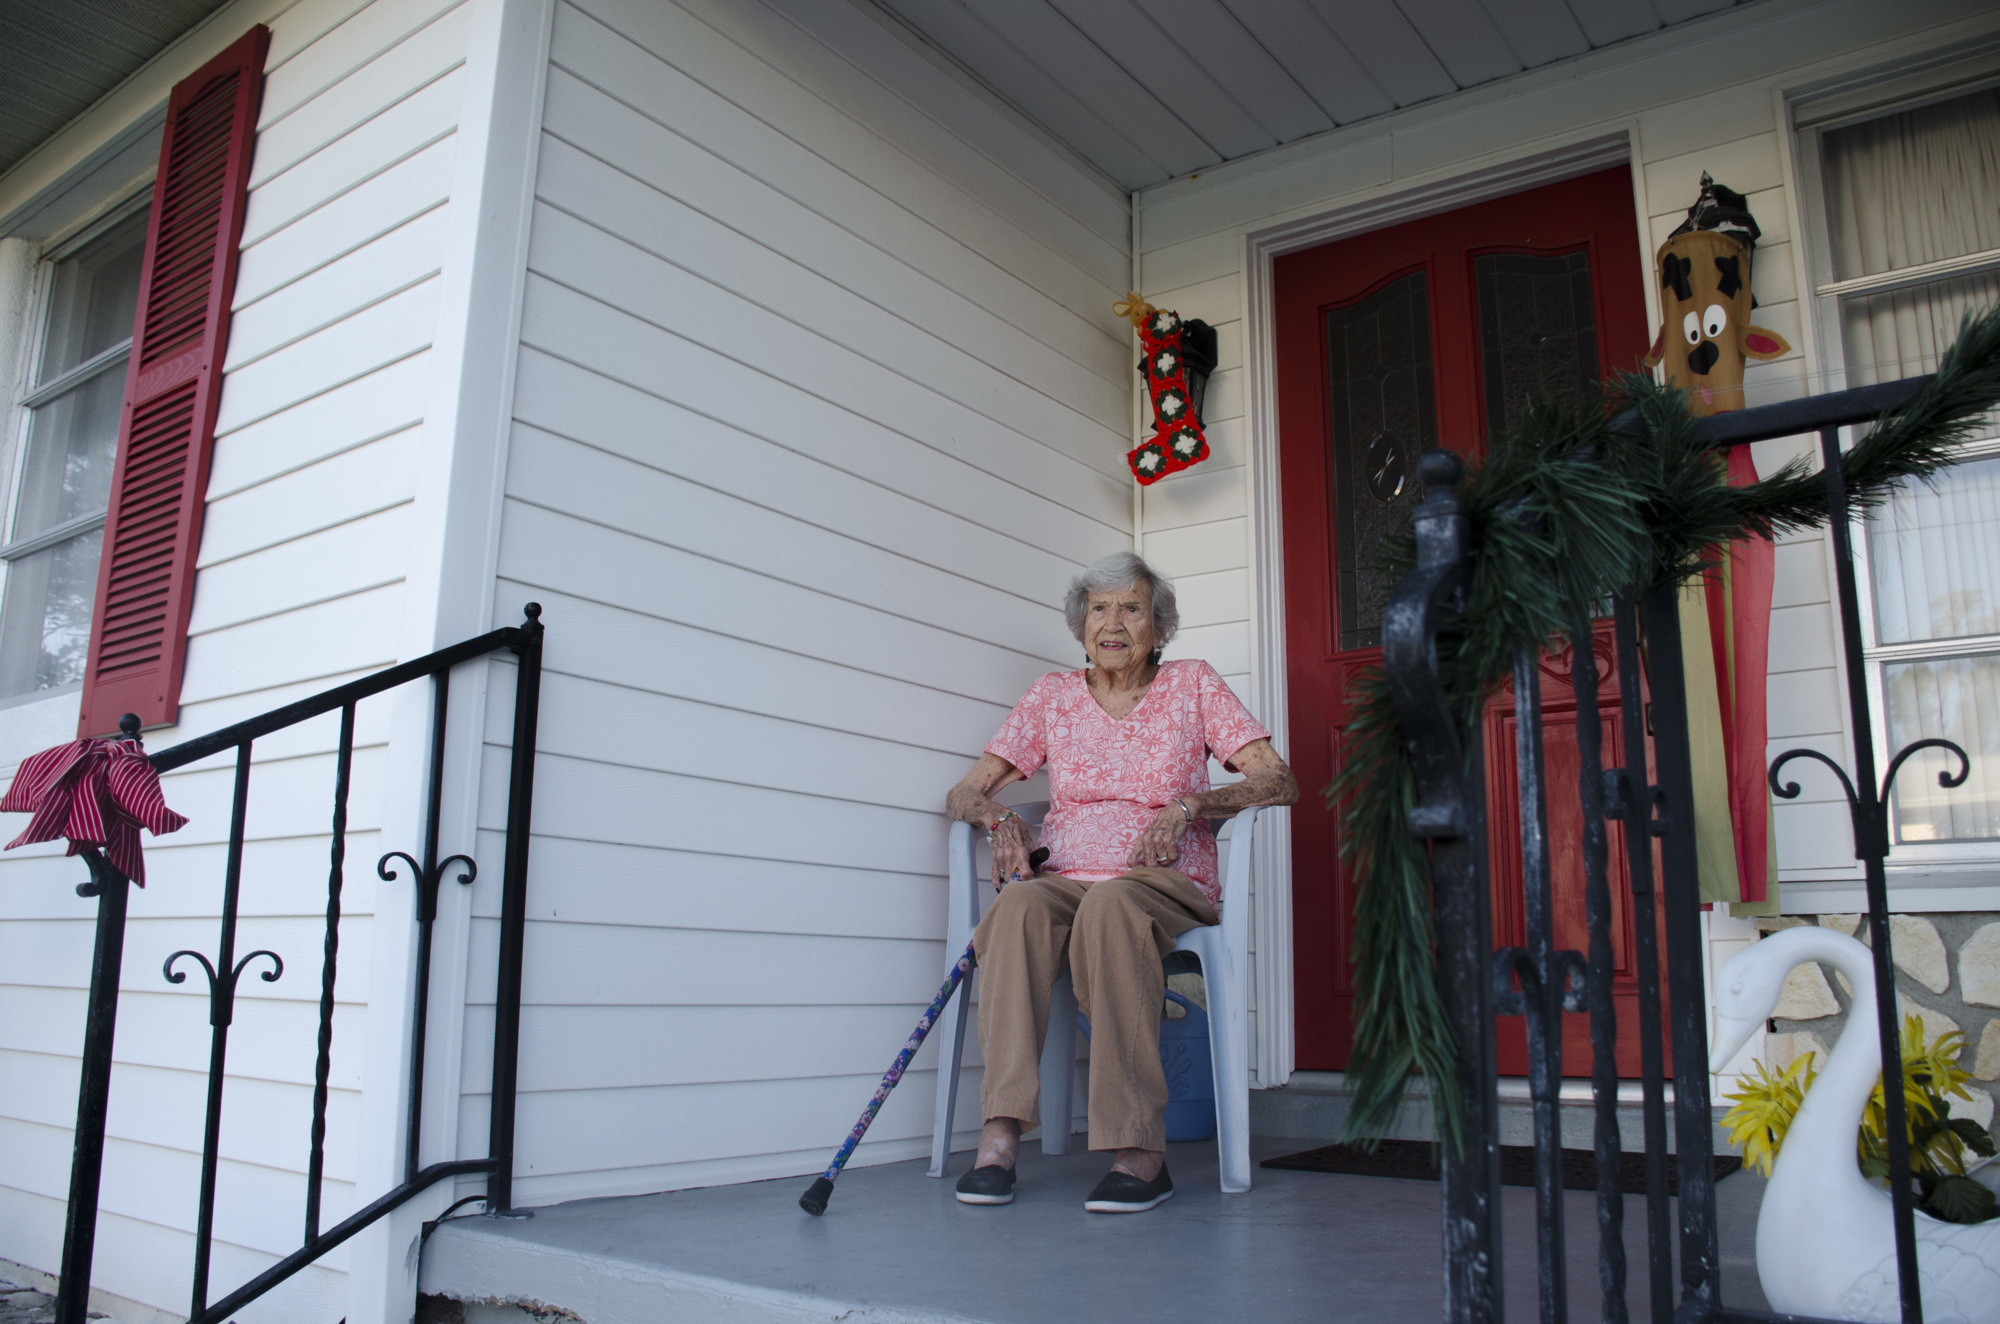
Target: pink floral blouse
column 1109, row 779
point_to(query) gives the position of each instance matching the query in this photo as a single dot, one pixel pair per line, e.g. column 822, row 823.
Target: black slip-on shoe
column 991, row 1184
column 1122, row 1193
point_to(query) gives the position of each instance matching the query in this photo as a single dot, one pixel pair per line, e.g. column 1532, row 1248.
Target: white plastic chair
column 1223, row 950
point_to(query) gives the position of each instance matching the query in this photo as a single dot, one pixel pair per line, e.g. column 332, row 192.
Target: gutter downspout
column 1137, row 396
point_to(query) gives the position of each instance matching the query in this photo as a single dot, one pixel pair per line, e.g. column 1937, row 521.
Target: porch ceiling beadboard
column 304, row 554
column 58, row 56
column 1150, row 90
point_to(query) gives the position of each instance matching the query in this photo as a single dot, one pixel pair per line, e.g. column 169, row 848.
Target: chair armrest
column 1236, row 884
column 962, row 887
column 1236, row 864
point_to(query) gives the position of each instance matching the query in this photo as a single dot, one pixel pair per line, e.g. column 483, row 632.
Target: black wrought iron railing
column 112, row 888
column 1540, row 982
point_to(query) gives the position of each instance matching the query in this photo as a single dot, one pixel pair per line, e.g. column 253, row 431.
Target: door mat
column 1413, row 1159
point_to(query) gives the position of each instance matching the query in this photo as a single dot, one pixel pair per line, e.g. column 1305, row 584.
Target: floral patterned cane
column 816, row 1196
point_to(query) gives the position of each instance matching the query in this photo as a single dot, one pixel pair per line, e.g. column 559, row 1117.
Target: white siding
column 304, row 552
column 1704, row 97
column 820, row 403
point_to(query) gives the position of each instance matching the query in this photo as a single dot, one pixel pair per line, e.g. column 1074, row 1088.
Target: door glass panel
column 1383, row 414
column 1537, row 331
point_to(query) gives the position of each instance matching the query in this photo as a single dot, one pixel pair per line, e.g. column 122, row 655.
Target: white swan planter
column 1825, row 1237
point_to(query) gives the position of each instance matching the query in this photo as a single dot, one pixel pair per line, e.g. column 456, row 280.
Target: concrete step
column 1314, row 1105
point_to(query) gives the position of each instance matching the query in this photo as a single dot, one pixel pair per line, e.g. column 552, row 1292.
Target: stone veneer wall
column 1947, row 972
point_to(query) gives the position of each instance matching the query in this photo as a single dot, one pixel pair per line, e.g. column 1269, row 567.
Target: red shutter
column 145, row 579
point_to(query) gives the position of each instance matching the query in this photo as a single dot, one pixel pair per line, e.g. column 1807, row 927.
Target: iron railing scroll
column 226, row 970
column 1541, row 983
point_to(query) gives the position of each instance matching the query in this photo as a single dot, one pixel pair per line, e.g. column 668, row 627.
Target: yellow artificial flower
column 1764, row 1110
column 1766, row 1104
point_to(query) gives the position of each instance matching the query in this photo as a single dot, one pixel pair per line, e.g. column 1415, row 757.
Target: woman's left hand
column 1159, row 846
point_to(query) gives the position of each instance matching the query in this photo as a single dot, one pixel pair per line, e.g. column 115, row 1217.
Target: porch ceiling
column 57, row 57
column 1151, row 89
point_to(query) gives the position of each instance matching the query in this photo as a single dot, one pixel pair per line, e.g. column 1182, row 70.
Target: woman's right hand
column 1011, row 843
column 971, row 802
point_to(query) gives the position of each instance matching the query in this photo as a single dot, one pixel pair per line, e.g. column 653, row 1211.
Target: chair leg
column 951, row 1051
column 1228, row 1047
column 1058, row 1067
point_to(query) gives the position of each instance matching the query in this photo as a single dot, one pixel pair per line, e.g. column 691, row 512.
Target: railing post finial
column 1439, row 471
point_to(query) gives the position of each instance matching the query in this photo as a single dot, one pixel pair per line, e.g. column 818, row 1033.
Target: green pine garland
column 1565, row 513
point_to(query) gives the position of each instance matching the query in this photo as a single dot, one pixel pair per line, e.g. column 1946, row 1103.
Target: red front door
column 1433, row 333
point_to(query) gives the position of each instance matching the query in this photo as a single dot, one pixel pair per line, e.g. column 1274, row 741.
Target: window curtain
column 1921, row 186
column 1918, row 187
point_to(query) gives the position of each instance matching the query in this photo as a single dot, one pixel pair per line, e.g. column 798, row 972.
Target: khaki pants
column 1113, row 934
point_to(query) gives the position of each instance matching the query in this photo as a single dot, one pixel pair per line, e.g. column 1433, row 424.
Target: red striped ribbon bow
column 96, row 793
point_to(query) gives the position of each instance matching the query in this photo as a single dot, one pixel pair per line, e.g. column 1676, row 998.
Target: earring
column 1153, row 658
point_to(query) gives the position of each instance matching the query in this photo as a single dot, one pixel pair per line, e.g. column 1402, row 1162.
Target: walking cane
column 816, row 1196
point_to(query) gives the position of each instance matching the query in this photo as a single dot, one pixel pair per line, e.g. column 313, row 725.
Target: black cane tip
column 533, row 611
column 816, row 1196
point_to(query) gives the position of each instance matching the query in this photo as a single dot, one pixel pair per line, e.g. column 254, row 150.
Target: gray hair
column 1123, row 570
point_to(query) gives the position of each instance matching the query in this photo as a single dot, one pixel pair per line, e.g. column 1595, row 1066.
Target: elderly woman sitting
column 1132, row 866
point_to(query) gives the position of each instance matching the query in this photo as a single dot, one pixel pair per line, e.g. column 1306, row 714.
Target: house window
column 56, row 528
column 1912, row 243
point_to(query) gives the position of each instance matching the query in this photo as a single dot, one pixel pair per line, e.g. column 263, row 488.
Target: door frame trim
column 1276, row 1050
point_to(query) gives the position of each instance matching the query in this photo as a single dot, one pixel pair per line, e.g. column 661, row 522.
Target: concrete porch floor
column 895, row 1246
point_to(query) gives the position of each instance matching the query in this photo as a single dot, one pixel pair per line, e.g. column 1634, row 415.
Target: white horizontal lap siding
column 305, row 547
column 820, row 405
column 1705, row 96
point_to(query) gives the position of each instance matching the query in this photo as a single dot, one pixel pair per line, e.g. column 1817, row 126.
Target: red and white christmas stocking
column 1177, row 440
